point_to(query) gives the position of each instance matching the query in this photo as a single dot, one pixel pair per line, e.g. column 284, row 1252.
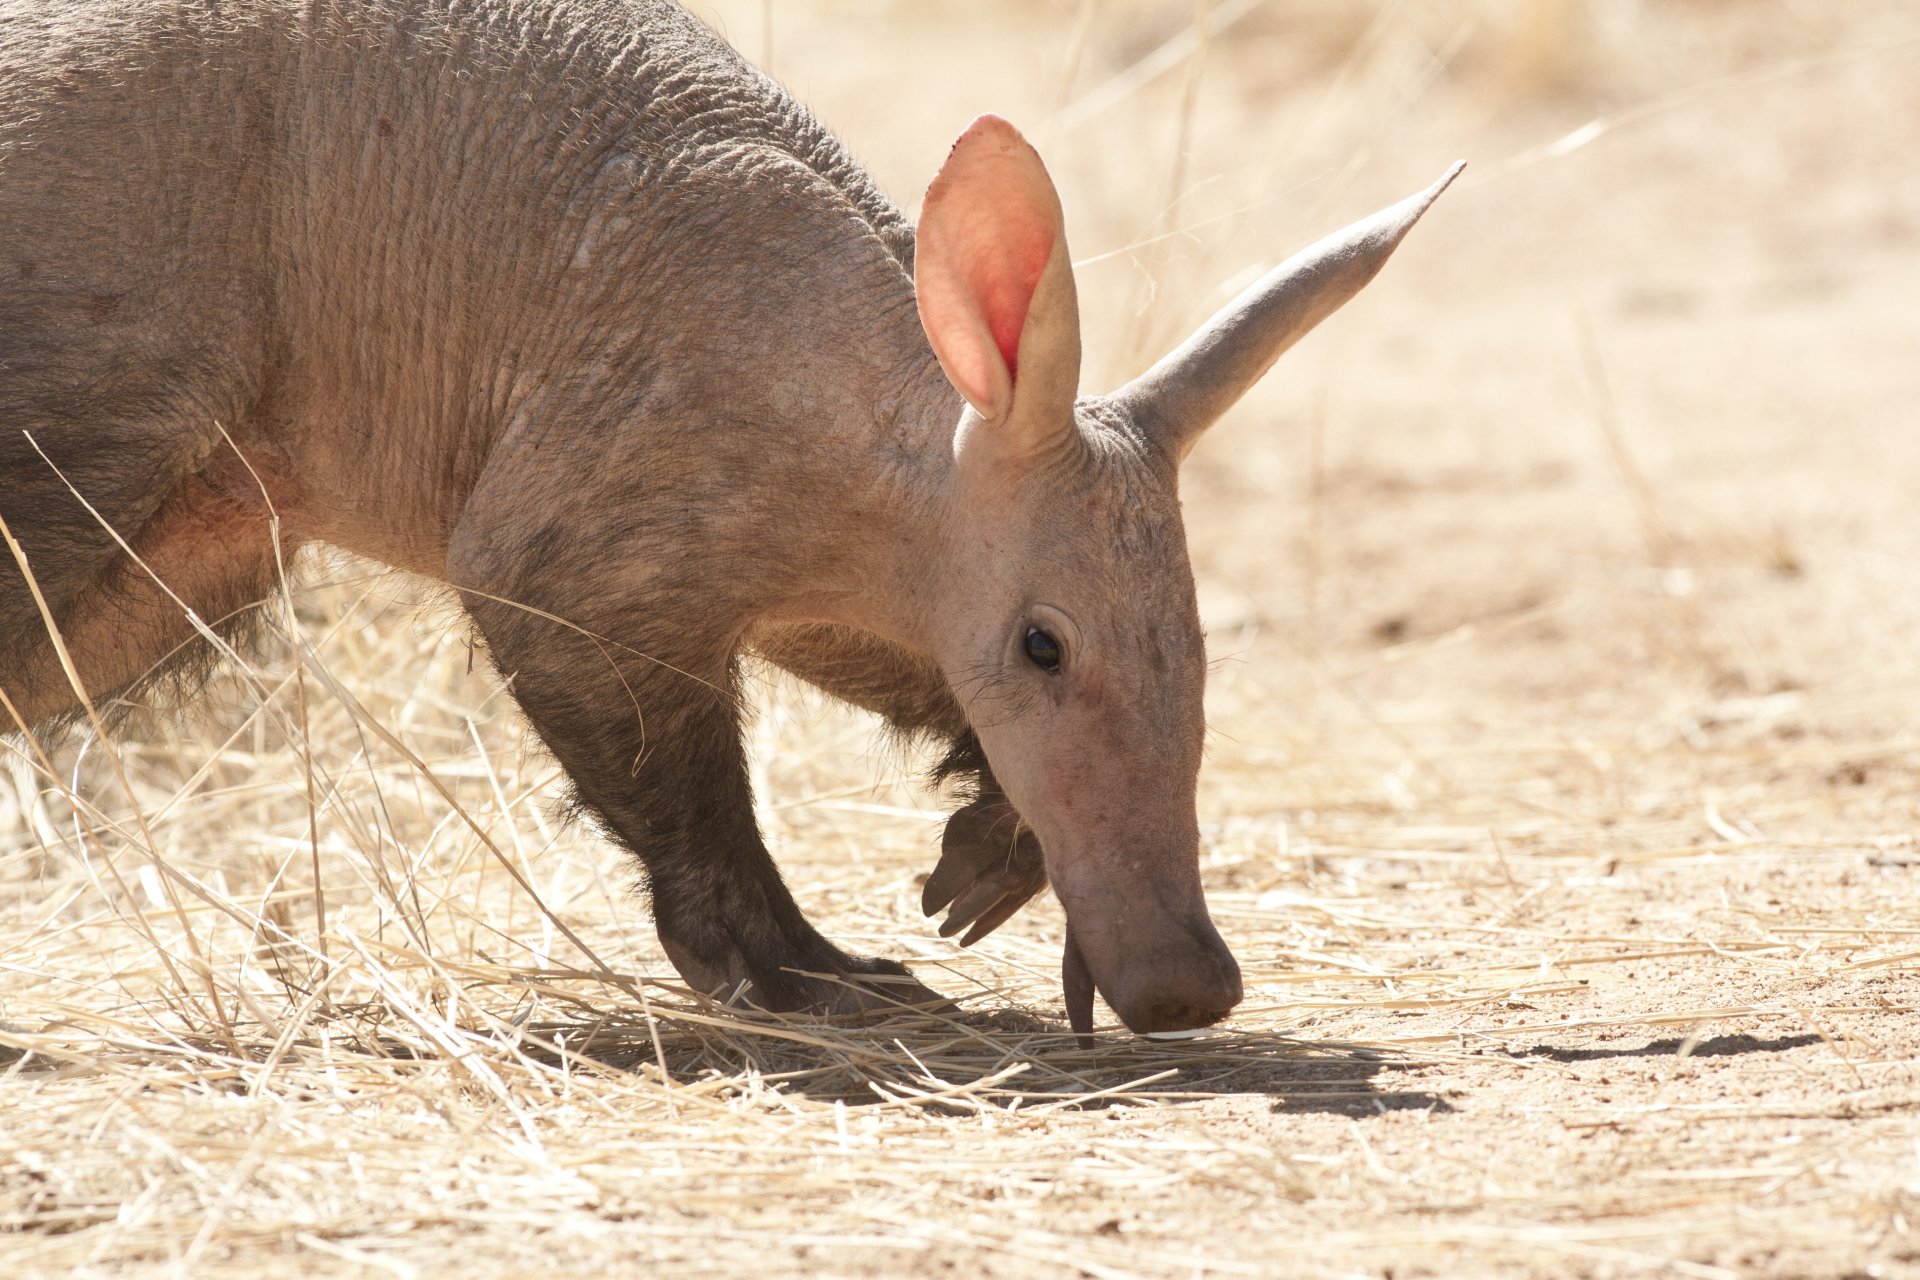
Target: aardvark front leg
column 647, row 725
column 990, row 861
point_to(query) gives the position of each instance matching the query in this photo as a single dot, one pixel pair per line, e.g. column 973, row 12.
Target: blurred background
column 1623, row 441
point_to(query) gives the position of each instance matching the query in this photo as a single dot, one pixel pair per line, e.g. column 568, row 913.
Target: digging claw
column 873, row 992
column 835, row 985
column 990, row 865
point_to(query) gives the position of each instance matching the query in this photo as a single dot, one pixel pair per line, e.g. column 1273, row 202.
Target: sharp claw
column 870, row 993
column 1077, row 980
column 966, row 851
column 948, row 879
column 1015, row 897
column 982, row 878
column 980, row 896
column 995, row 916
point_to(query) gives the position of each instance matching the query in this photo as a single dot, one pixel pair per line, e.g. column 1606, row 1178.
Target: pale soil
column 1561, row 804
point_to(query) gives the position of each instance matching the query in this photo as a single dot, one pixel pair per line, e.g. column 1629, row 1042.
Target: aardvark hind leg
column 128, row 629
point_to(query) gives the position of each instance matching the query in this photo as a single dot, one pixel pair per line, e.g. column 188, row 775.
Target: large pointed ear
column 995, row 284
column 1184, row 394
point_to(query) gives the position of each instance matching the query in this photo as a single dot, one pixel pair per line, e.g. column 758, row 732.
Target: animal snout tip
column 1201, row 1003
column 1173, row 1019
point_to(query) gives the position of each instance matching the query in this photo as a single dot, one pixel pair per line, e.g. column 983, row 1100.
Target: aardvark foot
column 815, row 977
column 990, row 865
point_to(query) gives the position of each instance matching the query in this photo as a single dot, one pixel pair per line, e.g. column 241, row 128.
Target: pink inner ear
column 1004, row 278
column 987, row 230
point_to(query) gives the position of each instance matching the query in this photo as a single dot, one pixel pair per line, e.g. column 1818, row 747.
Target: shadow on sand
column 1708, row 1047
column 961, row 1061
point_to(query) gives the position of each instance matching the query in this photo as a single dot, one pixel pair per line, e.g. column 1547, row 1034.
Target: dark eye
column 1043, row 650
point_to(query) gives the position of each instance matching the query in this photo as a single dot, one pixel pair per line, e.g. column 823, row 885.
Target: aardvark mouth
column 1208, row 996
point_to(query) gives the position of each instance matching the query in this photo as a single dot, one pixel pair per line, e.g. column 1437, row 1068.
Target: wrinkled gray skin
column 564, row 304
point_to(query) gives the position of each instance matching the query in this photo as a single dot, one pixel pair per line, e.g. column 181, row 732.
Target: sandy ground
column 1560, row 805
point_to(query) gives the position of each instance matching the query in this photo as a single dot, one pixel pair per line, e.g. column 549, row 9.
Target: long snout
column 1187, row 981
column 1159, row 969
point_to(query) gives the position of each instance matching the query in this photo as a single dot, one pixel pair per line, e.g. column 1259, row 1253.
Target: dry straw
column 484, row 1044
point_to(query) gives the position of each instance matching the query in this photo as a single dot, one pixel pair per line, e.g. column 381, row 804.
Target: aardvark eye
column 1043, row 650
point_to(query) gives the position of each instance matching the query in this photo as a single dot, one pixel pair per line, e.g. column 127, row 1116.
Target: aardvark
column 564, row 304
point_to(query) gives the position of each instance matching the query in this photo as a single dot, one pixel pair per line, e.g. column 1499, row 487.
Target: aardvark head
column 1063, row 601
